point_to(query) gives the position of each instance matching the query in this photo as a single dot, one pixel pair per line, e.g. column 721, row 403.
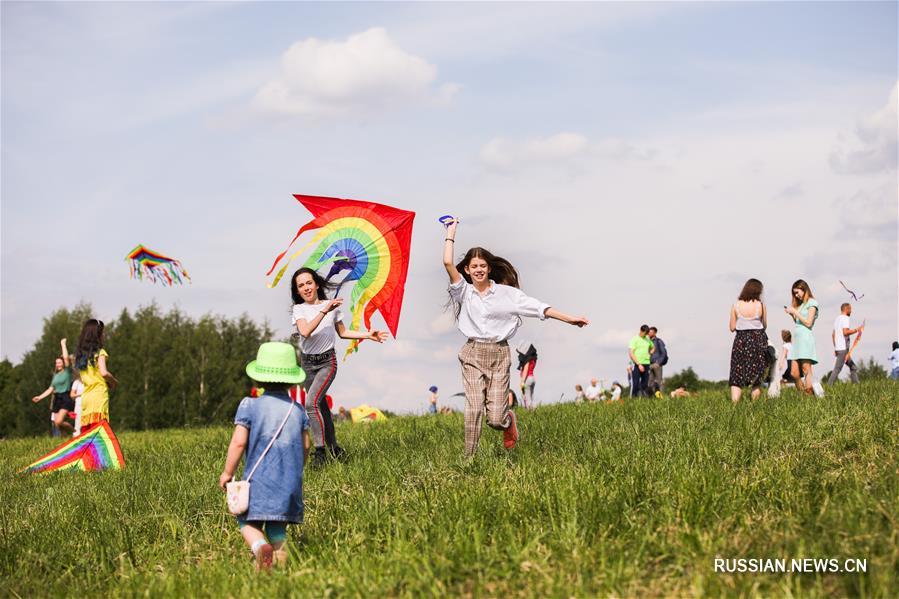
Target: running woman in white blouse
column 319, row 322
column 488, row 309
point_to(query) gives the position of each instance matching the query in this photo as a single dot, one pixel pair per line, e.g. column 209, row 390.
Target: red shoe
column 264, row 558
column 510, row 435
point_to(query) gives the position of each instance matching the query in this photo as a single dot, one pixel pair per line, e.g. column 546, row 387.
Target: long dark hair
column 806, row 292
column 320, row 282
column 527, row 356
column 89, row 343
column 752, row 291
column 501, row 272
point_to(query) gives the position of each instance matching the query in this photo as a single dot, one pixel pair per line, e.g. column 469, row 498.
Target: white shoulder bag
column 238, row 491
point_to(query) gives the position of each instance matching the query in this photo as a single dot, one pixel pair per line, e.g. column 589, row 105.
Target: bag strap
column 270, row 443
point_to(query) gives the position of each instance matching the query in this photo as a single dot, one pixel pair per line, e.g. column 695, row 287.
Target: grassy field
column 625, row 500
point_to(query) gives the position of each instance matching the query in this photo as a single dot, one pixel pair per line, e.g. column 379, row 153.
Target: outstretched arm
column 579, row 321
column 43, row 395
column 448, row 248
column 345, row 333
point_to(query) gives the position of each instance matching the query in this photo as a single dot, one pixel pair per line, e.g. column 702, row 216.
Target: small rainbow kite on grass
column 156, row 267
column 358, row 241
column 95, row 449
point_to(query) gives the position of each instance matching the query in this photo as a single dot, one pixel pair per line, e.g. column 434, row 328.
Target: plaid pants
column 485, row 374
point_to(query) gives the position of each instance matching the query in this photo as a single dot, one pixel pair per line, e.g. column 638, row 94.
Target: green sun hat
column 276, row 363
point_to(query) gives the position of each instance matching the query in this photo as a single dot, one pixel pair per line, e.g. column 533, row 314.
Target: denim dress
column 276, row 489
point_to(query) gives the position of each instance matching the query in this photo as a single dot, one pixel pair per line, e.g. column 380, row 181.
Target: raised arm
column 65, row 353
column 448, row 250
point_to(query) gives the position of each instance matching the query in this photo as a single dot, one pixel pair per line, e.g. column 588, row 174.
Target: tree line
column 174, row 370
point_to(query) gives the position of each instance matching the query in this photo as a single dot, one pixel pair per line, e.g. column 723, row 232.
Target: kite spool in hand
column 447, row 219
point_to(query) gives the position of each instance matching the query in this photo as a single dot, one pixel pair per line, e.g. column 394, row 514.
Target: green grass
column 625, row 500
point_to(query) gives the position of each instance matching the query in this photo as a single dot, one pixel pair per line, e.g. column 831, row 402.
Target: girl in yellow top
column 90, row 360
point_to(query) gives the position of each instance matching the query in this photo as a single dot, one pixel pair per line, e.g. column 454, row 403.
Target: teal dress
column 803, row 338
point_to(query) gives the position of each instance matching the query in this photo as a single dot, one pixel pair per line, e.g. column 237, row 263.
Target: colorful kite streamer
column 95, row 449
column 155, row 266
column 368, row 242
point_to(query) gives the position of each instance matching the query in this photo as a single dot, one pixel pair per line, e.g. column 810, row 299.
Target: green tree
column 871, row 370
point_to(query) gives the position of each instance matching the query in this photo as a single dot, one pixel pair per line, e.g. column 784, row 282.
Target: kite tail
column 280, row 274
column 310, row 225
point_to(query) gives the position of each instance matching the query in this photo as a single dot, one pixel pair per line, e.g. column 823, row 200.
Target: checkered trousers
column 485, row 374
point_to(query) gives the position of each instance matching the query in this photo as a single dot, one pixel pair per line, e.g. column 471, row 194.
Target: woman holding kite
column 319, row 321
column 488, row 308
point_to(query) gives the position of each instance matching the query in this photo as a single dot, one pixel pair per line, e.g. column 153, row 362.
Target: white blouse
column 325, row 334
column 496, row 315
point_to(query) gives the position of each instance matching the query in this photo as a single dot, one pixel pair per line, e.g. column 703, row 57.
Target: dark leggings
column 320, row 371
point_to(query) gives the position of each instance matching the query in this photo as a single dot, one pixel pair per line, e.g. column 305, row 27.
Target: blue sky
column 636, row 161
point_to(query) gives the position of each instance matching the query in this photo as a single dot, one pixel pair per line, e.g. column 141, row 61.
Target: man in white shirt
column 594, row 391
column 840, row 335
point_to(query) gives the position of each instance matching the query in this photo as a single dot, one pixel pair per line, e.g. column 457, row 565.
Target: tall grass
column 630, row 499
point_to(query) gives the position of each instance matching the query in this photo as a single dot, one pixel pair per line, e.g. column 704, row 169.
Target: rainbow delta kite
column 368, row 242
column 156, row 267
column 95, row 449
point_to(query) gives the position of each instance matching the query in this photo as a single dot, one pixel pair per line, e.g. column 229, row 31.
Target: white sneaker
column 818, row 389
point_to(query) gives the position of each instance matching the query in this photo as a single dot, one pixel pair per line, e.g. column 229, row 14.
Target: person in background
column 894, row 362
column 749, row 354
column 680, row 392
column 512, row 399
column 594, row 391
column 657, row 361
column 786, row 356
column 804, row 311
column 527, row 362
column 840, row 337
column 432, row 406
column 76, row 393
column 579, row 395
column 60, row 387
column 640, row 349
column 616, row 391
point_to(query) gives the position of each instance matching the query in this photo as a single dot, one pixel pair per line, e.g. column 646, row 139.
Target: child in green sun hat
column 273, row 432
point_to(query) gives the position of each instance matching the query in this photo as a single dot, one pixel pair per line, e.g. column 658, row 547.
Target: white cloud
column 874, row 148
column 504, row 154
column 562, row 149
column 367, row 71
column 443, row 323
